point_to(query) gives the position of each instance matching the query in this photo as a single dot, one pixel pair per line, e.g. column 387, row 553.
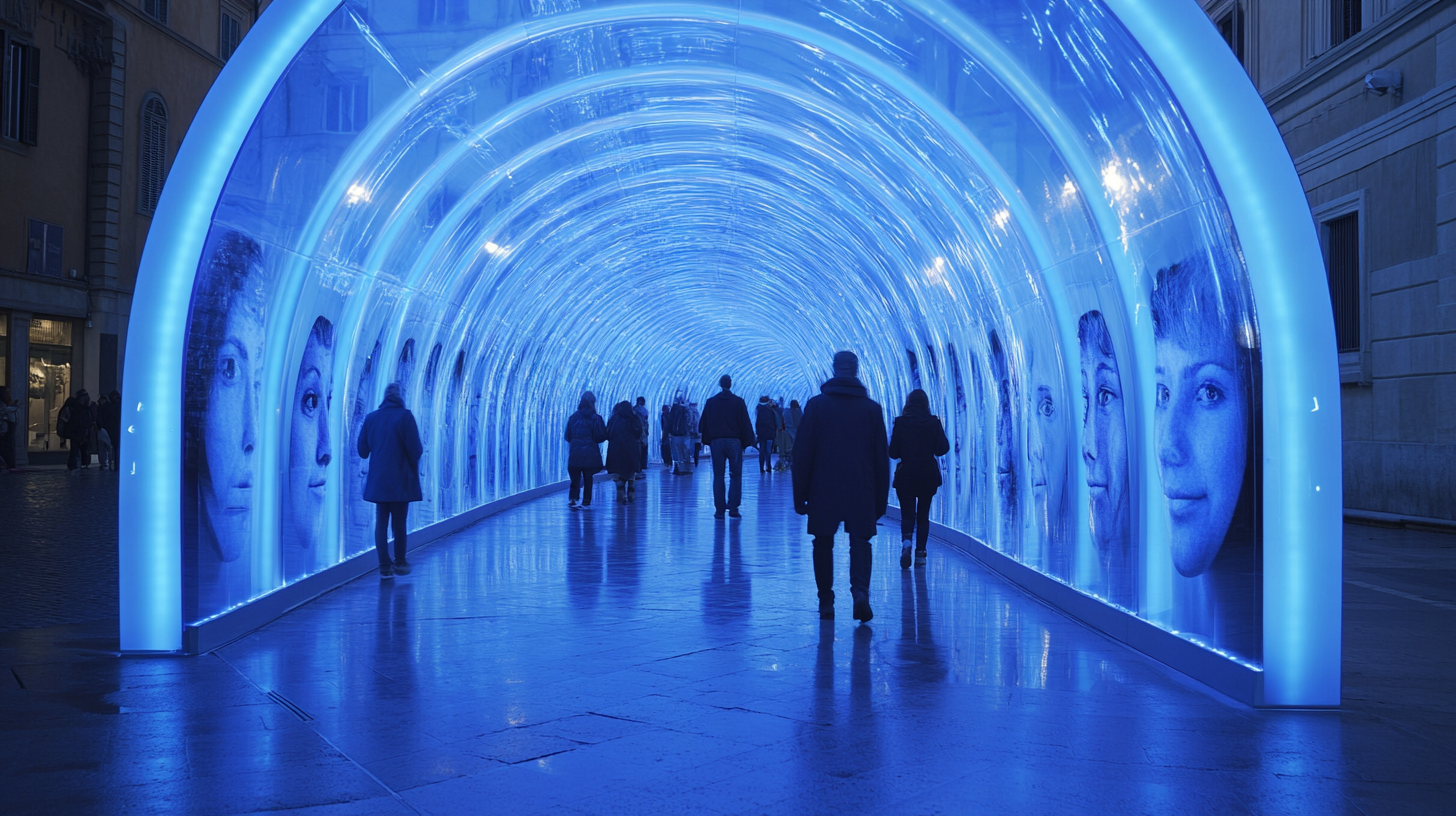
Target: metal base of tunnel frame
column 1244, row 684
column 200, row 638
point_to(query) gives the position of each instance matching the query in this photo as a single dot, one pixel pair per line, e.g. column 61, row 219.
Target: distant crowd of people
column 836, row 446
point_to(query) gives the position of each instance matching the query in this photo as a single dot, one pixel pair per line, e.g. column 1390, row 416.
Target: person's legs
column 824, row 573
column 643, row 469
column 907, row 525
column 735, row 471
column 587, row 480
column 683, row 462
column 381, row 537
column 697, row 451
column 575, row 492
column 399, row 513
column 621, row 483
column 718, row 451
column 860, row 561
column 922, row 523
column 666, row 450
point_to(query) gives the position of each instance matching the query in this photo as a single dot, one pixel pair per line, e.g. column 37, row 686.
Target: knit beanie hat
column 846, row 364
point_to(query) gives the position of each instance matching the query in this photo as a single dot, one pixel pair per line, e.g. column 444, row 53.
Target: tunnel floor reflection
column 645, row 658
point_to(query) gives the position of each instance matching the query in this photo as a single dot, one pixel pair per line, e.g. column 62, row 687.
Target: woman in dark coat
column 916, row 440
column 765, row 427
column 390, row 440
column 624, row 450
column 585, row 431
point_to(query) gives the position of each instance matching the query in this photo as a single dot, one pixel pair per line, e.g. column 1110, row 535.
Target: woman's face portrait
column 1046, row 442
column 1104, row 439
column 310, row 450
column 230, row 428
column 1202, row 436
column 1005, row 431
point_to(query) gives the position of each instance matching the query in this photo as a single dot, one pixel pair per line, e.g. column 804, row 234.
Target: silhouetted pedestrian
column 726, row 431
column 390, row 440
column 695, row 438
column 643, row 417
column 109, row 420
column 624, row 445
column 917, row 438
column 585, row 432
column 76, row 423
column 103, row 437
column 9, row 417
column 793, row 415
column 765, row 426
column 677, row 426
column 842, row 475
column 666, row 442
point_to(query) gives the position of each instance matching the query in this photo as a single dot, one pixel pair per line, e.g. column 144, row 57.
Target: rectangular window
column 1343, row 250
column 229, row 34
column 346, row 108
column 19, row 90
column 1231, row 28
column 1345, row 18
column 156, row 9
column 43, row 249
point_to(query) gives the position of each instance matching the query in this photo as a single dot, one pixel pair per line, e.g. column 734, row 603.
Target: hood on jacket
column 588, row 401
column 392, row 396
column 844, row 387
column 623, row 409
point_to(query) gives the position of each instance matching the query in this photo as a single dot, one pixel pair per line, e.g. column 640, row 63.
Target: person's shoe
column 920, row 558
column 826, row 610
column 585, row 506
column 386, row 571
column 862, row 611
column 402, row 568
column 905, row 557
column 733, row 513
column 572, row 505
column 718, row 514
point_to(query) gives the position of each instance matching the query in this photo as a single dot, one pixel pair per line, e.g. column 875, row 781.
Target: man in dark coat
column 842, row 475
column 77, row 423
column 666, row 437
column 109, row 418
column 390, row 439
column 766, row 427
column 726, row 430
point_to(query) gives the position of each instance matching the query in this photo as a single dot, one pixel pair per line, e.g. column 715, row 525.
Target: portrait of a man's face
column 1047, row 448
column 1203, row 405
column 1104, row 437
column 310, row 450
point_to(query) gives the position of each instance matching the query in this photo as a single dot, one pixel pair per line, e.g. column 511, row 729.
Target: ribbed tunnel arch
column 1028, row 208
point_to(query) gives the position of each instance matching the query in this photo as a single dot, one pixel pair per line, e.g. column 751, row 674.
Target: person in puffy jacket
column 842, row 476
column 624, row 444
column 585, row 432
column 916, row 440
column 390, row 440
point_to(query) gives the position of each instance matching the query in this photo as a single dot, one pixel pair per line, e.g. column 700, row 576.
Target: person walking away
column 695, row 437
column 390, row 440
column 103, row 436
column 916, row 440
column 726, row 431
column 640, row 411
column 624, row 446
column 765, row 425
column 585, row 432
column 666, row 443
column 677, row 426
column 75, row 423
column 792, row 416
column 842, row 476
column 781, row 437
column 109, row 419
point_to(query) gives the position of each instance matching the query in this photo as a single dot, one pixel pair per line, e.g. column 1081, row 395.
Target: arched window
column 152, row 168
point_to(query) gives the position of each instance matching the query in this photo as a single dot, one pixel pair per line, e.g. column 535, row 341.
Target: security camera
column 1383, row 81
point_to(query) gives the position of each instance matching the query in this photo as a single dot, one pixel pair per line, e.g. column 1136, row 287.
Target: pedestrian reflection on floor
column 728, row 592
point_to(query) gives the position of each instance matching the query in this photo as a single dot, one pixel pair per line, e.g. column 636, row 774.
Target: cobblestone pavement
column 58, row 543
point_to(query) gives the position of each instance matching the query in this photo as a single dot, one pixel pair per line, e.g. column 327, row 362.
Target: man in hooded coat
column 390, row 439
column 842, row 476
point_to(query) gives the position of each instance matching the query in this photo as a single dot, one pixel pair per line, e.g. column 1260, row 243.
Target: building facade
column 95, row 98
column 1364, row 93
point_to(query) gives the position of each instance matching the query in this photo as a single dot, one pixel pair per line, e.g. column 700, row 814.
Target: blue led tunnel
column 1071, row 222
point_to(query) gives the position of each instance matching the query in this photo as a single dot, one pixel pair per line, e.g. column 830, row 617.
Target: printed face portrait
column 230, row 422
column 310, row 451
column 1005, row 434
column 361, row 513
column 1104, row 436
column 1046, row 441
column 1202, row 409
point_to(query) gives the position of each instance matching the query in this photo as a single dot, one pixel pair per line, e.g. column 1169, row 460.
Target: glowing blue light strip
column 1303, row 489
column 150, row 518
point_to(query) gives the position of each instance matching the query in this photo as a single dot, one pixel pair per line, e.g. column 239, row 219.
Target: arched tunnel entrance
column 1071, row 223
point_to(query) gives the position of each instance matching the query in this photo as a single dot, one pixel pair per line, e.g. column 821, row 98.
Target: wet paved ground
column 649, row 660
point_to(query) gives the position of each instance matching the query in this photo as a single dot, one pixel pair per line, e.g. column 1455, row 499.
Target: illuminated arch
column 945, row 187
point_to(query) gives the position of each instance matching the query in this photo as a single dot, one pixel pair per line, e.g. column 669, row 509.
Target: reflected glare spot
column 356, row 193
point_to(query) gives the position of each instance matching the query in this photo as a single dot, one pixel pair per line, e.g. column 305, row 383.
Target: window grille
column 43, row 249
column 152, row 167
column 156, row 9
column 1343, row 247
column 346, row 109
column 19, row 90
column 1344, row 20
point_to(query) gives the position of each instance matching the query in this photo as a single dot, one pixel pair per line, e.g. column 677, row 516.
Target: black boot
column 824, row 576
